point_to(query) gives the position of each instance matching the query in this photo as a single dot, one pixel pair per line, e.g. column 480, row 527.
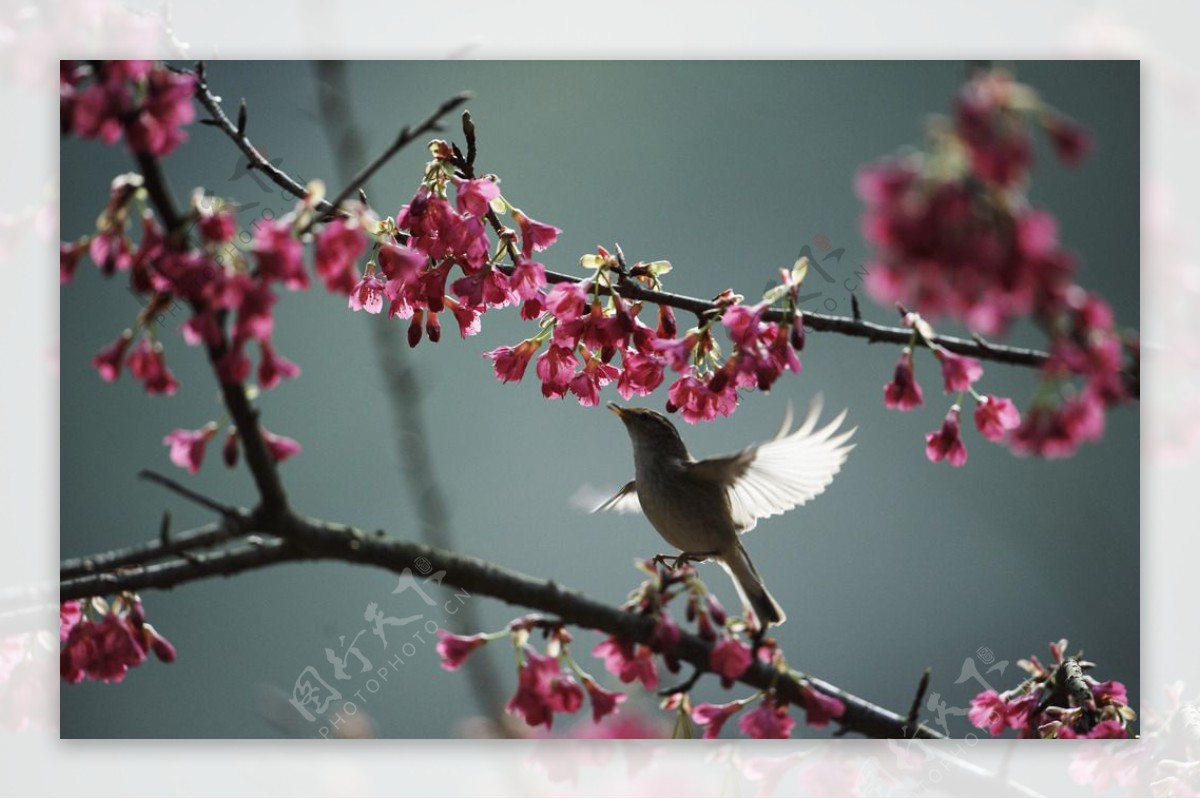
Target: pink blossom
column 641, row 374
column 958, row 371
column 744, row 324
column 454, row 649
column 510, row 362
column 475, row 196
column 586, row 384
column 994, row 416
column 467, row 237
column 768, row 720
column 730, row 659
column 69, row 614
column 903, row 393
column 527, row 277
column 280, row 448
column 1110, row 692
column 201, row 328
column 161, row 647
column 217, row 227
column 947, row 443
column 188, row 446
column 628, row 662
column 233, row 367
column 555, row 368
column 604, row 702
column 109, row 250
column 666, row 633
column 108, row 360
column 367, row 294
column 535, row 235
column 543, row 690
column 146, row 363
column 279, row 254
column 337, row 248
column 820, row 708
column 402, row 265
column 713, row 717
column 468, row 319
column 229, row 450
column 158, row 127
column 568, row 301
column 68, row 261
column 253, row 300
column 694, row 398
column 485, row 287
column 989, row 711
column 1000, row 151
column 98, row 108
column 678, row 352
column 532, row 308
column 273, row 367
column 1071, row 143
column 1110, row 728
column 103, row 651
column 667, row 327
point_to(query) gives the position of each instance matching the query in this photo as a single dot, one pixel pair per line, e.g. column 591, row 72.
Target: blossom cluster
column 102, row 642
column 587, row 324
column 1046, row 705
column 230, row 297
column 995, row 416
column 554, row 682
column 548, row 682
column 145, row 101
column 957, row 237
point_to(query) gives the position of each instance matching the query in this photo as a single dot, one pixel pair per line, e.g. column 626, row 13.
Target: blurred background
column 727, row 170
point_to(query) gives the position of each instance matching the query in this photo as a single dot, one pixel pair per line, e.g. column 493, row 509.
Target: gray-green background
column 727, row 170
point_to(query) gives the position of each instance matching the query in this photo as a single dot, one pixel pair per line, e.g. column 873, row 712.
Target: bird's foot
column 673, row 562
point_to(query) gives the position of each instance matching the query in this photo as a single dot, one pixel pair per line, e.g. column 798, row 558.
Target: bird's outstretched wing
column 624, row 501
column 787, row 471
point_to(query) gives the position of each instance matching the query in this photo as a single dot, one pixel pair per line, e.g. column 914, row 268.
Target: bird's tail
column 750, row 587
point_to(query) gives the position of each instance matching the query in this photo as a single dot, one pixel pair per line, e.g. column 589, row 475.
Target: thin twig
column 914, row 712
column 405, row 137
column 188, row 494
column 237, row 135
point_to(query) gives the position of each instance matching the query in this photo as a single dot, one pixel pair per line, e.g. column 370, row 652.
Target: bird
column 701, row 507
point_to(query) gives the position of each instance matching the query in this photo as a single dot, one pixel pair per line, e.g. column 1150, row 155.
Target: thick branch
column 201, row 538
column 311, row 539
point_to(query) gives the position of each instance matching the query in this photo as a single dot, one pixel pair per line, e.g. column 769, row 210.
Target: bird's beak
column 617, row 409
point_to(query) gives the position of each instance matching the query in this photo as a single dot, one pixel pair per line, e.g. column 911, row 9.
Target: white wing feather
column 788, row 470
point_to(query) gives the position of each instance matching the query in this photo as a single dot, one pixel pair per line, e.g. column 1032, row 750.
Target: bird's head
column 650, row 431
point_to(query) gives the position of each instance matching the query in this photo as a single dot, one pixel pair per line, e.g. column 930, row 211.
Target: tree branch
column 237, row 134
column 847, row 326
column 245, row 417
column 311, row 539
